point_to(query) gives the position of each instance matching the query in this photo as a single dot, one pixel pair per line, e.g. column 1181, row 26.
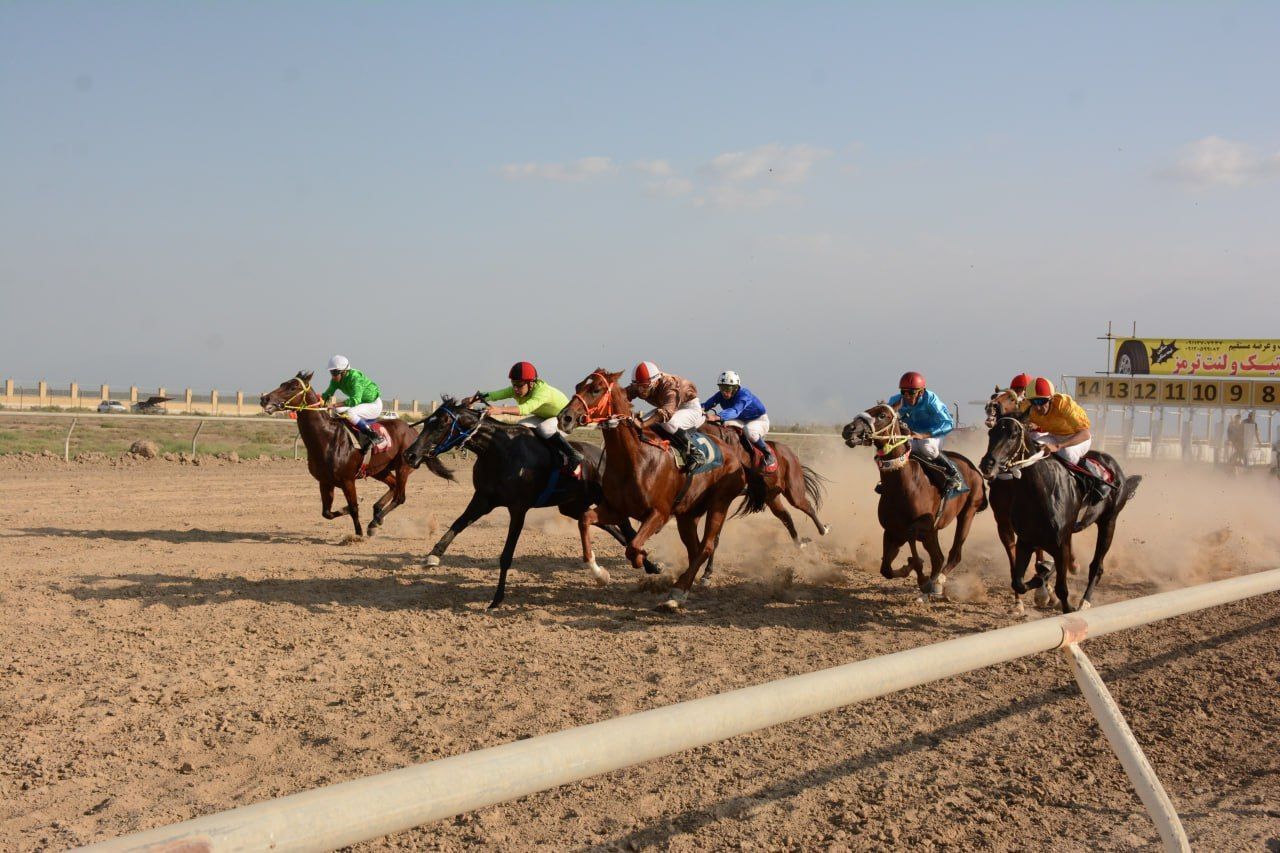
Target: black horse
column 515, row 469
column 1049, row 504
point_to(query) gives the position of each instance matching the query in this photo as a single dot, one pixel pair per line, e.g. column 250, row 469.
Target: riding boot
column 955, row 482
column 366, row 436
column 684, row 441
column 770, row 463
column 561, row 446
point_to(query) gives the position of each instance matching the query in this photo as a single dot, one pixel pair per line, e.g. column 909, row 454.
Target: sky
column 819, row 196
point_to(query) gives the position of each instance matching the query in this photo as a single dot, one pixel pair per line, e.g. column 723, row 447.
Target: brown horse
column 334, row 461
column 911, row 507
column 641, row 480
column 1005, row 404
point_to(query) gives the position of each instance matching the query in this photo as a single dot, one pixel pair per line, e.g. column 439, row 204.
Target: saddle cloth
column 384, row 437
column 1091, row 466
column 710, row 452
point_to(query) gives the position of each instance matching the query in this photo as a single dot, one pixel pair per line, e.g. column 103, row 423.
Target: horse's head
column 595, row 399
column 294, row 393
column 1006, row 444
column 448, row 422
column 878, row 423
column 1003, row 403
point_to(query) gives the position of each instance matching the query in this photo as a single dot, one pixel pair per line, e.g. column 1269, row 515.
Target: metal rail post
column 199, row 427
column 66, row 445
column 1128, row 750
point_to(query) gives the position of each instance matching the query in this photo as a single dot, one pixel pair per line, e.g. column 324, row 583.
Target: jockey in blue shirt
column 742, row 409
column 929, row 420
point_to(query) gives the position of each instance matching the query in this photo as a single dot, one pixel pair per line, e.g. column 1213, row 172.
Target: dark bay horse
column 513, row 469
column 1047, row 505
column 641, row 481
column 911, row 508
column 1002, row 493
column 331, row 457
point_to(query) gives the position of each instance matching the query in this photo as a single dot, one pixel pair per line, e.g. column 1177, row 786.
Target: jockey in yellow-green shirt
column 537, row 404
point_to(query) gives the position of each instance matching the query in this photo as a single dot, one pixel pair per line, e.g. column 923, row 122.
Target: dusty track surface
column 178, row 640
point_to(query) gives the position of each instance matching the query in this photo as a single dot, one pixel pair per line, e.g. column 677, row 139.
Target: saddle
column 1092, row 472
column 712, row 456
column 384, row 437
column 753, row 452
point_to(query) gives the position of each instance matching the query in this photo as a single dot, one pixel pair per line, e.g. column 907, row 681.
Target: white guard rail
column 350, row 812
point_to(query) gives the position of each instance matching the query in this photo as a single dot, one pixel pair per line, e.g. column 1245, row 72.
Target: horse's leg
column 710, row 536
column 1106, row 530
column 798, row 497
column 508, row 551
column 588, row 518
column 326, row 502
column 779, row 510
column 353, row 504
column 1062, row 559
column 628, row 534
column 397, row 482
column 963, row 524
column 1018, row 573
column 891, row 548
column 937, row 576
column 478, row 507
column 651, row 525
column 709, row 567
column 380, row 505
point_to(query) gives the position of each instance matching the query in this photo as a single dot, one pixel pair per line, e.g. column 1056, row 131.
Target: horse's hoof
column 599, row 575
column 921, row 598
column 936, row 588
column 801, row 544
column 887, row 573
column 1042, row 597
column 675, row 600
column 826, row 528
column 1019, row 588
column 1019, row 608
column 1086, row 604
column 1044, row 568
column 432, row 561
column 704, row 581
column 902, row 572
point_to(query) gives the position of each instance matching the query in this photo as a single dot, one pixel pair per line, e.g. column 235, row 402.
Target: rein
column 602, row 413
column 1022, row 457
column 891, row 439
column 458, row 435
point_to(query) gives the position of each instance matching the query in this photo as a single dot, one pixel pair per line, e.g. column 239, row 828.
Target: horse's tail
column 757, row 494
column 1130, row 486
column 813, row 486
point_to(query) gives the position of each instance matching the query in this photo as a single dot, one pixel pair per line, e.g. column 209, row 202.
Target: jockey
column 1060, row 426
column 677, row 409
column 742, row 409
column 537, row 404
column 1018, row 385
column 364, row 400
column 929, row 420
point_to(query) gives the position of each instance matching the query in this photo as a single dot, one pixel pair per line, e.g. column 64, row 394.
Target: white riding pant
column 688, row 416
column 368, row 411
column 754, row 430
column 1072, row 454
column 544, row 427
column 929, row 448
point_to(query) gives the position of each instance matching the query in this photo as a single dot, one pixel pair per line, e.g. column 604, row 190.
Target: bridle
column 1022, row 457
column 305, row 407
column 887, row 439
column 458, row 435
column 602, row 411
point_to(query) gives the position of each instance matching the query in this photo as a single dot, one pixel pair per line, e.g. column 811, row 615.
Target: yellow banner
column 1197, row 357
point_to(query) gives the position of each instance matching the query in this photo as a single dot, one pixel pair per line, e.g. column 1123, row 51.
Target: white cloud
column 576, row 171
column 669, row 187
column 773, row 163
column 1216, row 161
column 657, row 168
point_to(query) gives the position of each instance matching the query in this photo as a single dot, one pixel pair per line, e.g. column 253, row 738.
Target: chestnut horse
column 641, row 480
column 331, row 457
column 911, row 507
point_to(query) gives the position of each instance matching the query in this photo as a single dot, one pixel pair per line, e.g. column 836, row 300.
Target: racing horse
column 1004, row 403
column 334, row 460
column 517, row 470
column 1049, row 505
column 641, row 481
column 911, row 507
column 799, row 484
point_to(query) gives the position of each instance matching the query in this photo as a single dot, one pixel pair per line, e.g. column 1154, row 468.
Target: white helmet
column 339, row 362
column 728, row 378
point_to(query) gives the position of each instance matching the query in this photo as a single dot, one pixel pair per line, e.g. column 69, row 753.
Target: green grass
column 250, row 439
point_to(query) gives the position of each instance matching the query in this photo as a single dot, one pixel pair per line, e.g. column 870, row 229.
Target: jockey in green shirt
column 363, row 405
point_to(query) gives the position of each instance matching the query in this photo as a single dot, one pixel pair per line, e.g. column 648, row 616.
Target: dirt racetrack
column 182, row 639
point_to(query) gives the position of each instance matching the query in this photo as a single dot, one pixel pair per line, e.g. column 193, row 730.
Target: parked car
column 111, row 407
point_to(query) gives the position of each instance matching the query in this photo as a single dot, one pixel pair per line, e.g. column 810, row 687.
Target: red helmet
column 911, row 379
column 523, row 371
column 1041, row 388
column 1019, row 382
column 645, row 372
